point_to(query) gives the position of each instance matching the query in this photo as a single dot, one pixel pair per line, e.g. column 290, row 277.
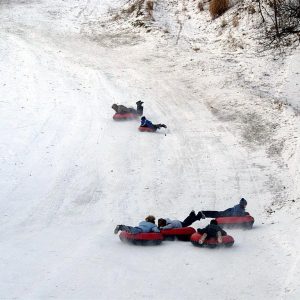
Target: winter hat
column 243, row 202
column 143, row 118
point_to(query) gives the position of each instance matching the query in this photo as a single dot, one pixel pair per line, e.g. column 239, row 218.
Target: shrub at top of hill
column 218, row 7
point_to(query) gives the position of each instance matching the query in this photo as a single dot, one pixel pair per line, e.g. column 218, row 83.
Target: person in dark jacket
column 145, row 226
column 169, row 224
column 213, row 230
column 147, row 123
column 121, row 109
column 235, row 211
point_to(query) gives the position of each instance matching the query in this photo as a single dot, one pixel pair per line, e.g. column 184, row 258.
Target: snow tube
column 121, row 117
column 150, row 238
column 146, row 129
column 230, row 222
column 182, row 234
column 227, row 241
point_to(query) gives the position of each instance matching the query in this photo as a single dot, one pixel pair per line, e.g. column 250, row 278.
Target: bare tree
column 260, row 10
column 281, row 19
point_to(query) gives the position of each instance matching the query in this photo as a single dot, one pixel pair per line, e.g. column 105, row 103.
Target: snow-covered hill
column 69, row 173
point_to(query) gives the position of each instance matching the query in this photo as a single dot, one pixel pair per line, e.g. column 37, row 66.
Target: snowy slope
column 69, row 174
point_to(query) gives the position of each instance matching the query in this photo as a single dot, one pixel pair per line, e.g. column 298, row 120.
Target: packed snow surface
column 70, row 174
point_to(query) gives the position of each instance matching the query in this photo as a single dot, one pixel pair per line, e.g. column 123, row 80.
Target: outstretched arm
column 219, row 237
column 223, row 232
column 169, row 226
column 155, row 229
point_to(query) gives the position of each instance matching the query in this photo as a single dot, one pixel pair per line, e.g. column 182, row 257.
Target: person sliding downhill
column 213, row 230
column 235, row 211
column 147, row 123
column 145, row 226
column 121, row 109
column 189, row 220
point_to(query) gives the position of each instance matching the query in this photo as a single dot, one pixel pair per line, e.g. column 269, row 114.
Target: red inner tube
column 226, row 239
column 235, row 220
column 151, row 236
column 178, row 231
column 124, row 116
column 146, row 129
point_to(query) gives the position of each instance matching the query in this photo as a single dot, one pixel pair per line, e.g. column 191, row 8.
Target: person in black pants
column 189, row 220
column 121, row 109
column 213, row 230
column 149, row 124
column 235, row 211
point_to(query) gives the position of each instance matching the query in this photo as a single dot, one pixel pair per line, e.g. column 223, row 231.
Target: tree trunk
column 276, row 17
column 260, row 10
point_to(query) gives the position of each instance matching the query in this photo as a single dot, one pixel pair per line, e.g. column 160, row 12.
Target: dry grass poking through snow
column 200, row 6
column 149, row 5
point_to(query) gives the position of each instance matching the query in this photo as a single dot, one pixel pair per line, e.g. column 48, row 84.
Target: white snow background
column 70, row 174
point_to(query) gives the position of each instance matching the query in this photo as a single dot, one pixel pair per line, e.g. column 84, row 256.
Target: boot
column 192, row 213
column 117, row 229
column 161, row 125
column 200, row 215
